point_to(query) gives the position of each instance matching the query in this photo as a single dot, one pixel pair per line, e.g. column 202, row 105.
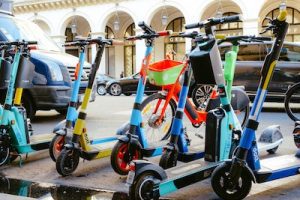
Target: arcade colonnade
column 64, row 19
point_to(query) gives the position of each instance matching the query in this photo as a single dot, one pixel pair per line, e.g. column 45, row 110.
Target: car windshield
column 17, row 29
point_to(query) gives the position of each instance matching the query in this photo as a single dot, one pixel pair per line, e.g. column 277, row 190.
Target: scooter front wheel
column 142, row 187
column 168, row 159
column 4, row 154
column 120, row 157
column 67, row 162
column 225, row 189
column 56, row 146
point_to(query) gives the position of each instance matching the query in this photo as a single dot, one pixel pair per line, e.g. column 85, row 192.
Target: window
column 293, row 19
column 129, row 52
column 175, row 46
column 235, row 28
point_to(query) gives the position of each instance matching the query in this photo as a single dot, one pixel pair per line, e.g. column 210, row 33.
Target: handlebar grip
column 194, row 25
column 282, row 12
column 146, row 28
column 220, row 36
column 165, row 33
column 263, row 38
column 233, row 18
column 117, row 42
column 31, row 42
column 131, row 38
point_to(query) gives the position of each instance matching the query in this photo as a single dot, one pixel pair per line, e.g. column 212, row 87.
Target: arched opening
column 120, row 60
column 129, row 52
column 224, row 8
column 77, row 26
column 293, row 18
column 109, row 53
column 43, row 25
column 168, row 18
column 175, row 46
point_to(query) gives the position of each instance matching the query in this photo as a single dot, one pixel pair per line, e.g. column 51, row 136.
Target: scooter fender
column 249, row 170
column 133, row 139
column 60, row 126
column 123, row 129
column 271, row 134
column 142, row 166
column 239, row 98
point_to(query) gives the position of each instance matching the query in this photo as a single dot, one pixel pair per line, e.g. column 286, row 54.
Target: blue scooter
column 233, row 179
column 65, row 128
column 134, row 144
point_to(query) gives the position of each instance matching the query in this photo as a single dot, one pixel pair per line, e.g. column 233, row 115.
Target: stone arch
column 159, row 6
column 208, row 10
column 43, row 23
column 68, row 17
column 110, row 13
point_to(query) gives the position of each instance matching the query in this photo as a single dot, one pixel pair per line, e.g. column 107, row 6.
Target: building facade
column 63, row 20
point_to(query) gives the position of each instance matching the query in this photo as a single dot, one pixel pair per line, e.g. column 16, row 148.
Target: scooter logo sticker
column 255, row 154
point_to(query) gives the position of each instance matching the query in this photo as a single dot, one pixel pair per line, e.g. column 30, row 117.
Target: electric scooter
column 62, row 133
column 80, row 145
column 134, row 144
column 149, row 181
column 15, row 130
column 233, row 179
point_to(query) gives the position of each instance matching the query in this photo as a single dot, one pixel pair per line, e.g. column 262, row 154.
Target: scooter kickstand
column 20, row 160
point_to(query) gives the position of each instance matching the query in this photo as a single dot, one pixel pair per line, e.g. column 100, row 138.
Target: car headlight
column 55, row 72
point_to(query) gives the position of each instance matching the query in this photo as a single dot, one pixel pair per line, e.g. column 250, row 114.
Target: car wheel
column 115, row 89
column 101, row 90
column 201, row 94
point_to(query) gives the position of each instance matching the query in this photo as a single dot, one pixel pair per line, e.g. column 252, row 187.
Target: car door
column 287, row 71
column 248, row 66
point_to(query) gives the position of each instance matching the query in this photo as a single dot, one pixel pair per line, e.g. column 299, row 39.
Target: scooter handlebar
column 165, row 33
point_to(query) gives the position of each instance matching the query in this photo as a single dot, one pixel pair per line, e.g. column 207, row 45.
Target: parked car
column 248, row 67
column 102, row 79
column 54, row 70
column 128, row 85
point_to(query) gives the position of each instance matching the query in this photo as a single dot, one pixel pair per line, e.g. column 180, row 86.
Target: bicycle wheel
column 291, row 102
column 156, row 130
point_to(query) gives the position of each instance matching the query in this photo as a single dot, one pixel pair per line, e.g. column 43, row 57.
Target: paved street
column 104, row 117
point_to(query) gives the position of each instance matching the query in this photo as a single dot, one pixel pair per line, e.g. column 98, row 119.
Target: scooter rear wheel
column 120, row 158
column 142, row 188
column 56, row 146
column 168, row 159
column 67, row 162
column 223, row 188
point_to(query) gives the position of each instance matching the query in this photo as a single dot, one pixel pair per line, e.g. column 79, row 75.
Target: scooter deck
column 41, row 138
column 37, row 143
column 154, row 149
column 99, row 151
column 265, row 146
column 195, row 152
column 278, row 167
column 186, row 174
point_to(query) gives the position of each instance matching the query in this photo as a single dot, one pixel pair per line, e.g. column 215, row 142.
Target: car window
column 251, row 52
column 290, row 53
column 18, row 29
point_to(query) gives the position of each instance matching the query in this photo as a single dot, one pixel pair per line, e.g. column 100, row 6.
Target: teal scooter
column 16, row 135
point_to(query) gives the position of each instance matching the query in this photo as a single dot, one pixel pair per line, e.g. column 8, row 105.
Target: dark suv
column 249, row 63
